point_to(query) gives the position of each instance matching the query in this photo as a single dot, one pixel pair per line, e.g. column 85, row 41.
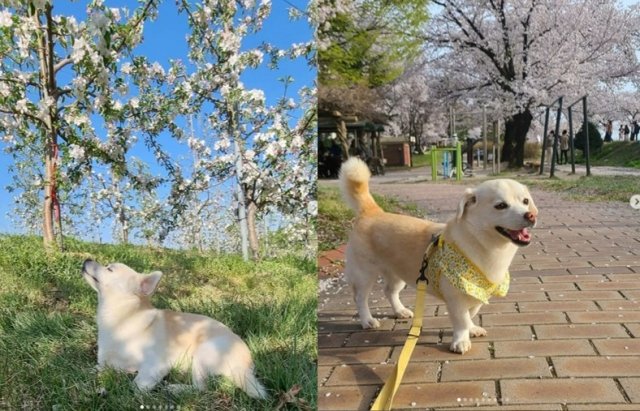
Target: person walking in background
column 621, row 132
column 608, row 131
column 636, row 130
column 549, row 146
column 626, row 132
column 564, row 147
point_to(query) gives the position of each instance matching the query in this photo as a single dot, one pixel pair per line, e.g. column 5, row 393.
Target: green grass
column 421, row 160
column 594, row 188
column 48, row 331
column 615, row 154
column 335, row 217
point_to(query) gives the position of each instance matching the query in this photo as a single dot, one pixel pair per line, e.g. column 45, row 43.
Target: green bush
column 595, row 140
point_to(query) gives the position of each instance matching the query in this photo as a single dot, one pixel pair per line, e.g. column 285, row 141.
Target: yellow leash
column 385, row 398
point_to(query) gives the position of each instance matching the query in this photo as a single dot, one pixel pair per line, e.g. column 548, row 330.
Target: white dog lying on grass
column 135, row 336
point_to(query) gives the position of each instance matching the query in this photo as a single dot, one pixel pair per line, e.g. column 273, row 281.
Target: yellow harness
column 449, row 261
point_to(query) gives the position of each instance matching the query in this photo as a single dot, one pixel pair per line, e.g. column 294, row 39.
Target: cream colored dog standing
column 135, row 336
column 492, row 220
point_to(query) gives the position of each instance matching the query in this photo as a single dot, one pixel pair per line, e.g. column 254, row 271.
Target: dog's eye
column 525, row 201
column 109, row 268
column 501, row 206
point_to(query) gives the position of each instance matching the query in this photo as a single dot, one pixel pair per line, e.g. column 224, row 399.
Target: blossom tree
column 520, row 54
column 57, row 75
column 252, row 142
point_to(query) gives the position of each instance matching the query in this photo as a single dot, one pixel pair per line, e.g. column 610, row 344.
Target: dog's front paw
column 370, row 323
column 477, row 332
column 461, row 346
column 404, row 313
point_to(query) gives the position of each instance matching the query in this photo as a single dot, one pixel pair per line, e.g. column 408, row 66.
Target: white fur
column 392, row 245
column 135, row 336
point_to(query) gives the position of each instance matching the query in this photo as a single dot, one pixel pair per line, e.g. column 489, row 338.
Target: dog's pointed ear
column 468, row 199
column 149, row 283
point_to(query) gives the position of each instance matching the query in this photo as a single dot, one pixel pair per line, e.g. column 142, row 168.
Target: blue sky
column 165, row 39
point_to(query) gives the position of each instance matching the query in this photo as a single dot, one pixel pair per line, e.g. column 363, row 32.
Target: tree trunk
column 48, row 235
column 342, row 138
column 254, row 244
column 515, row 136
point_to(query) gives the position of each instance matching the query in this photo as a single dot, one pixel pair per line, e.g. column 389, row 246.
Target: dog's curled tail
column 354, row 185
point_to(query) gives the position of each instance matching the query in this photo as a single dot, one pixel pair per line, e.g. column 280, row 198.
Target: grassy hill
column 617, row 154
column 48, row 330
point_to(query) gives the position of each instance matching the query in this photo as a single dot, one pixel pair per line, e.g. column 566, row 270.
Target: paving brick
column 610, row 285
column 634, row 328
column 527, row 318
column 545, row 332
column 495, row 369
column 434, row 352
column 609, row 305
column 603, row 407
column 498, row 308
column 584, row 295
column 388, row 338
column 605, row 317
column 632, row 294
column 557, row 286
column 505, row 333
column 345, row 398
column 524, row 280
column 444, row 394
column 555, row 306
column 597, row 366
column 572, row 278
column 623, row 346
column 542, row 348
column 556, row 390
column 323, row 373
column 632, row 388
column 429, row 323
column 353, row 355
column 519, row 296
column 613, row 269
column 536, row 407
column 386, row 324
column 624, row 277
column 377, row 374
column 331, row 340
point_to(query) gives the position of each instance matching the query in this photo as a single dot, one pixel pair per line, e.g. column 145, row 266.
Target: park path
column 567, row 337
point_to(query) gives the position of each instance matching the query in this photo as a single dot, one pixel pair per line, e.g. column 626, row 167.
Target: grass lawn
column 48, row 330
column 615, row 154
column 335, row 217
column 594, row 188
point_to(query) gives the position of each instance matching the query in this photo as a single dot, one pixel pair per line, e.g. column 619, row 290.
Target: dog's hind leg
column 228, row 356
column 392, row 290
column 361, row 285
column 476, row 331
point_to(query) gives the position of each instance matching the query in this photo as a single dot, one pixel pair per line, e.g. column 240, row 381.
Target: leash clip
column 425, row 259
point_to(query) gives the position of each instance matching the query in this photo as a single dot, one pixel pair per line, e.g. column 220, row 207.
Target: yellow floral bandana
column 447, row 260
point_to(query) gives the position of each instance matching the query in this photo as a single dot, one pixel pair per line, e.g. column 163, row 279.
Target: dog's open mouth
column 90, row 276
column 518, row 237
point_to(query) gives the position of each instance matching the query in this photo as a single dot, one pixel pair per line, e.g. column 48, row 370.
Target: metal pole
column 458, row 161
column 498, row 147
column 544, row 140
column 554, row 156
column 573, row 158
column 484, row 135
column 586, row 129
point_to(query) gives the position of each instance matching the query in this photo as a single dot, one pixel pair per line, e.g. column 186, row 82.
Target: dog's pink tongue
column 520, row 235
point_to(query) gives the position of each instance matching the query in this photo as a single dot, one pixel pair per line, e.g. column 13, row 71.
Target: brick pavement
column 565, row 338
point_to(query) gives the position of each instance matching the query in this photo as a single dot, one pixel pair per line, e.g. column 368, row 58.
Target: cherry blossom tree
column 520, row 54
